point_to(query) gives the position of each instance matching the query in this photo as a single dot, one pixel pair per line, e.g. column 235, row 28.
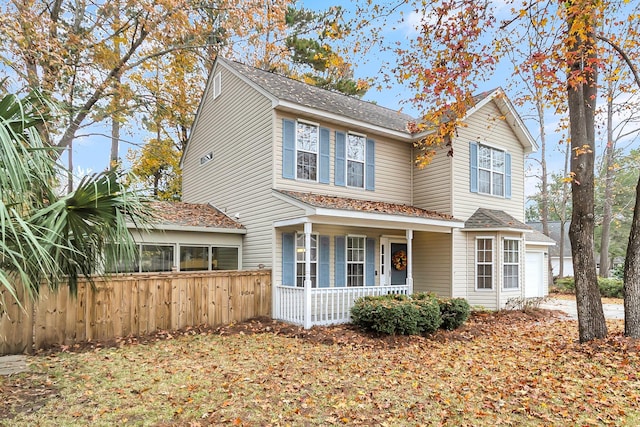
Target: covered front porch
column 330, row 257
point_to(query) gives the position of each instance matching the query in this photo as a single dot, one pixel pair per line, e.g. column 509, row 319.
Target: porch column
column 409, row 281
column 307, row 275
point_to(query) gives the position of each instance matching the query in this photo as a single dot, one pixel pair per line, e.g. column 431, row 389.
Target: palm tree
column 46, row 238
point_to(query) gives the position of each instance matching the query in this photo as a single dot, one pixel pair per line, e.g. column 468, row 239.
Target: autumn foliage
column 507, row 368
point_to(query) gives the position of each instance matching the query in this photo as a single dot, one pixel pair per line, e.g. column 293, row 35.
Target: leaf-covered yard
column 499, row 369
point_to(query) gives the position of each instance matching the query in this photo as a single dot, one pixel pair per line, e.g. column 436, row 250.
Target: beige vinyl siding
column 432, row 263
column 432, row 185
column 460, row 274
column 237, row 127
column 486, row 127
column 484, row 298
column 393, row 160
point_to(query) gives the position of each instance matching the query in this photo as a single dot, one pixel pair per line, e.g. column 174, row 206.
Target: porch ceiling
column 331, row 210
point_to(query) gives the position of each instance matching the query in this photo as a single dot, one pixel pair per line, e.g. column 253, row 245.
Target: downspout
column 411, row 167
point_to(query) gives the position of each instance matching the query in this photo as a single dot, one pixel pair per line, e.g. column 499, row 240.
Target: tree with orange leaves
column 460, row 43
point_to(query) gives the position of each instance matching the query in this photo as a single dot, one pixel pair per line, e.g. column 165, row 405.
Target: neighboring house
column 326, row 187
column 187, row 237
column 554, row 251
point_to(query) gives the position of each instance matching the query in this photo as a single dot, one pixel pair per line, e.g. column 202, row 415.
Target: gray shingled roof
column 291, row 90
column 554, row 234
column 493, row 218
column 536, row 236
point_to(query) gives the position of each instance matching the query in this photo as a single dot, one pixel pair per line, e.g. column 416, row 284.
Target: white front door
column 534, row 275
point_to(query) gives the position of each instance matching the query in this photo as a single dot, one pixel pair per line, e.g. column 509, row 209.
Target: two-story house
column 327, row 189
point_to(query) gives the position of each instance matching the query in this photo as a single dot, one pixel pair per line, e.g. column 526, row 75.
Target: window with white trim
column 484, row 263
column 355, row 160
column 300, row 255
column 156, row 258
column 355, row 260
column 511, row 264
column 307, row 144
column 491, row 171
column 205, row 257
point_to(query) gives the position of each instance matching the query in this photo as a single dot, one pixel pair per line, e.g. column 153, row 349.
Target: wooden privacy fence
column 132, row 305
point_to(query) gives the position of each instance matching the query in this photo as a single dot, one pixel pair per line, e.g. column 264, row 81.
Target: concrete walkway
column 10, row 365
column 611, row 311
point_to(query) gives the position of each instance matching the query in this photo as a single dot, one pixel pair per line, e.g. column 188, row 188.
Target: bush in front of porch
column 419, row 314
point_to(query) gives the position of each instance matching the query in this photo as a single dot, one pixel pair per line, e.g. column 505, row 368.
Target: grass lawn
column 499, row 369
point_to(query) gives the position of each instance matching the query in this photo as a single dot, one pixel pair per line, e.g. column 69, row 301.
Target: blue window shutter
column 288, row 259
column 370, row 165
column 324, row 156
column 341, row 264
column 288, row 148
column 341, row 154
column 323, row 262
column 473, row 162
column 370, row 263
column 507, row 175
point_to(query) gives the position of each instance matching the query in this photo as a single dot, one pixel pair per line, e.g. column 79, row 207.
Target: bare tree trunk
column 544, row 184
column 563, row 210
column 607, row 207
column 581, row 101
column 632, row 275
column 115, row 142
column 70, row 172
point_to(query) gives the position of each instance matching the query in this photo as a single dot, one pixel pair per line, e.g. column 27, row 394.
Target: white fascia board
column 511, row 230
column 538, row 243
column 173, row 227
column 383, row 222
column 297, row 108
column 518, row 126
column 370, row 216
column 508, row 110
column 291, row 222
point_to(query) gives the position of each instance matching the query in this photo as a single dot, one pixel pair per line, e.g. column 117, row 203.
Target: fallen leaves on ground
column 506, row 368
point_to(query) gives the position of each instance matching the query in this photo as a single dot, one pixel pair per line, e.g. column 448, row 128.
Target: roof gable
column 494, row 219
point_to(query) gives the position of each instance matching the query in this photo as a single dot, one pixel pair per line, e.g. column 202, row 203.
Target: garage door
column 534, row 275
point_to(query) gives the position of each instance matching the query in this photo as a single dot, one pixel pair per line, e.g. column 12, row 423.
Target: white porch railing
column 328, row 305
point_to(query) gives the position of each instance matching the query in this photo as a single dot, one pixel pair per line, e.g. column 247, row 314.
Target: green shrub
column 386, row 314
column 430, row 319
column 611, row 287
column 565, row 285
column 400, row 314
column 618, row 272
column 454, row 312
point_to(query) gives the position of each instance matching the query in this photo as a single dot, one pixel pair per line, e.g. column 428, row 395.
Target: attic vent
column 206, row 158
column 217, row 85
